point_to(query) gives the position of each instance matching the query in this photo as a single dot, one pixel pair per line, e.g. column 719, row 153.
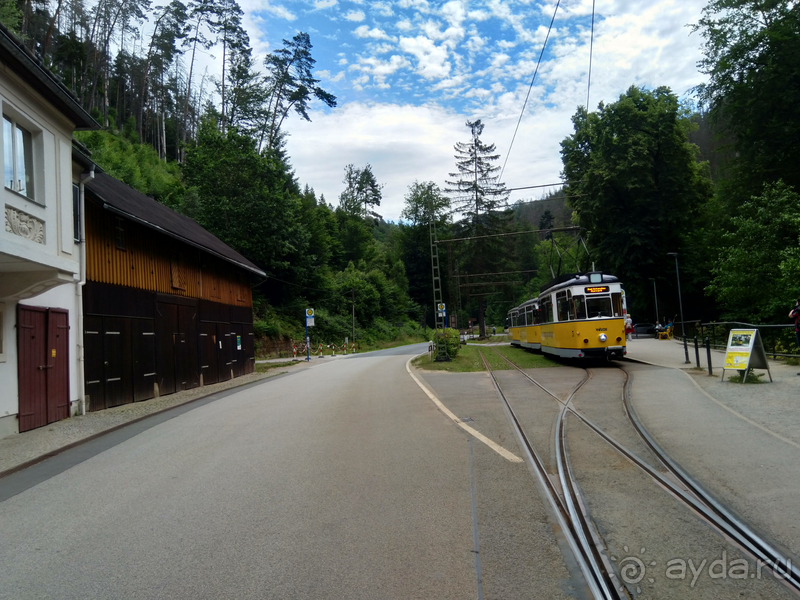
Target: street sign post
column 309, row 323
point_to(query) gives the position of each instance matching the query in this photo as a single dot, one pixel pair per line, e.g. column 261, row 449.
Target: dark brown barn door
column 143, row 338
column 224, row 349
column 248, row 339
column 167, row 336
column 188, row 360
column 118, row 367
column 237, row 344
column 43, row 366
column 94, row 369
column 208, row 353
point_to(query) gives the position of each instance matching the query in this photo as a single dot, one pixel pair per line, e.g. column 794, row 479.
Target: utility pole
column 353, row 291
column 442, row 355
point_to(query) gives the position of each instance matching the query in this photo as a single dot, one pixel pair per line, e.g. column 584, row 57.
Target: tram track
column 601, row 577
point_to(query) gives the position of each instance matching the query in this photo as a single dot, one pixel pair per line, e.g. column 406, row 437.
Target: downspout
column 79, row 289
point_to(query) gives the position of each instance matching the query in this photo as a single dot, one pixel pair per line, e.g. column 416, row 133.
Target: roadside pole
column 309, row 323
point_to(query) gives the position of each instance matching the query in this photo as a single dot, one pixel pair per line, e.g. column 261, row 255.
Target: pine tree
column 475, row 189
column 478, row 195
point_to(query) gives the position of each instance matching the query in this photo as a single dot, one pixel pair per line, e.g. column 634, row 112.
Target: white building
column 40, row 249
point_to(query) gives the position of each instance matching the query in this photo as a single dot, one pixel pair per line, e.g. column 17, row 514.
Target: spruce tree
column 478, row 195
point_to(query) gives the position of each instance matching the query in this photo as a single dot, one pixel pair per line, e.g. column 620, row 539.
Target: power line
column 500, row 273
column 591, row 46
column 532, row 187
column 530, row 87
column 493, row 235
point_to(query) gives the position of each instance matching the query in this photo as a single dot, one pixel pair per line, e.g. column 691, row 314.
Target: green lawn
column 526, row 359
column 492, row 339
column 469, row 360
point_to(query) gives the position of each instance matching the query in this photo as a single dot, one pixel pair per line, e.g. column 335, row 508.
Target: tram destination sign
column 597, row 289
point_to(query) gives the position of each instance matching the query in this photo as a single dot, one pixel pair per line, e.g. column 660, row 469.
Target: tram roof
column 569, row 279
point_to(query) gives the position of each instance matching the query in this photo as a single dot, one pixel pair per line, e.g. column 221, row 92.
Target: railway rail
column 571, row 509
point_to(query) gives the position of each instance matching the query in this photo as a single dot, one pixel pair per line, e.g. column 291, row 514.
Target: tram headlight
column 603, row 337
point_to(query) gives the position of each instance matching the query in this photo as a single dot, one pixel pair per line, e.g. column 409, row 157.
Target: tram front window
column 598, row 307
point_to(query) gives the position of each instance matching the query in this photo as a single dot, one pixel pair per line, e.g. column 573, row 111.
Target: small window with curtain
column 18, row 158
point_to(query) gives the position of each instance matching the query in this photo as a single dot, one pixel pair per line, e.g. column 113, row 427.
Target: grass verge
column 267, row 367
column 469, row 360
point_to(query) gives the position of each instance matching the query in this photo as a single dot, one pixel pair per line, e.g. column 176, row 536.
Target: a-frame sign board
column 745, row 351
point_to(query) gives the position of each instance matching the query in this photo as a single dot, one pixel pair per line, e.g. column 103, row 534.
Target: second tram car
column 579, row 315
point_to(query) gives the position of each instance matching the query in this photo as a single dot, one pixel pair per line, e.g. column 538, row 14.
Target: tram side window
column 514, row 319
column 563, row 306
column 547, row 309
column 616, row 302
column 579, row 307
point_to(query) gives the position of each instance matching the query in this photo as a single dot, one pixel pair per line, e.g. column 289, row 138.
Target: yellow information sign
column 745, row 351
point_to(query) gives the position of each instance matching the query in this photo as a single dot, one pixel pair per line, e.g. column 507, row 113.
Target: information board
column 745, row 351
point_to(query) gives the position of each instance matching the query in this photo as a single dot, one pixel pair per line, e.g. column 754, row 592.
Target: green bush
column 453, row 341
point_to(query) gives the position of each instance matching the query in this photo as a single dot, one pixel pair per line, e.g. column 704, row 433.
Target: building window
column 119, row 233
column 178, row 272
column 76, row 213
column 2, row 332
column 18, row 157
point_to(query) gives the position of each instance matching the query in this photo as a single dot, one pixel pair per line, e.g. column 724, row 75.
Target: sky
column 409, row 74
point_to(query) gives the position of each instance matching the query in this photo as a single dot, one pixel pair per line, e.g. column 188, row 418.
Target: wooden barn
column 167, row 306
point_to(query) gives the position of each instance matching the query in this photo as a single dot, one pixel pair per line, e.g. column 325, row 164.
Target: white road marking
column 476, row 434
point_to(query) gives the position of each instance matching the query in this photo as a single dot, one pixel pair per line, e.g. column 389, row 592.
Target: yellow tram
column 579, row 315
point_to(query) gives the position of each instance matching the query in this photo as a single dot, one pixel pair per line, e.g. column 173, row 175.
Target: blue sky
column 408, row 74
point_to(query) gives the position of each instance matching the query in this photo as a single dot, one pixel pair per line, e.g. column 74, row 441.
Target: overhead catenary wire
column 530, row 87
column 591, row 47
column 493, row 235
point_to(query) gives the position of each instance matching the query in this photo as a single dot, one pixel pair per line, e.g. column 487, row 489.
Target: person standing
column 795, row 314
column 628, row 327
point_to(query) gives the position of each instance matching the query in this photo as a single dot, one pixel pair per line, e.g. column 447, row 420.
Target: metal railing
column 718, row 332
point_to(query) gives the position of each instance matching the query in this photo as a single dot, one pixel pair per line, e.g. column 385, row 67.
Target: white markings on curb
column 509, row 456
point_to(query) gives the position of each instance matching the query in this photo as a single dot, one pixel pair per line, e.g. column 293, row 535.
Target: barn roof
column 127, row 202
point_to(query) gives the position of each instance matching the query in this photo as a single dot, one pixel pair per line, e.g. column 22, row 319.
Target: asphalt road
column 341, row 481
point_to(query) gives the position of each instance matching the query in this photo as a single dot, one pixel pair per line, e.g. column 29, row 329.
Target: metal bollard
column 696, row 352
column 686, row 351
column 708, row 355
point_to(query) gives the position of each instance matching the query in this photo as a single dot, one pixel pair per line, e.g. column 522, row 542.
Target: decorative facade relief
column 24, row 225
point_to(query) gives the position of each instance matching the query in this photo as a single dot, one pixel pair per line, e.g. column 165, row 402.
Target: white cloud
column 432, row 59
column 420, row 5
column 404, row 25
column 355, row 15
column 279, row 11
column 402, row 143
column 320, row 4
column 384, row 9
column 365, row 32
column 380, row 69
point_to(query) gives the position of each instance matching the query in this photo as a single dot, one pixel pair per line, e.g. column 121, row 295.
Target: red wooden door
column 31, row 347
column 57, row 361
column 42, row 366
